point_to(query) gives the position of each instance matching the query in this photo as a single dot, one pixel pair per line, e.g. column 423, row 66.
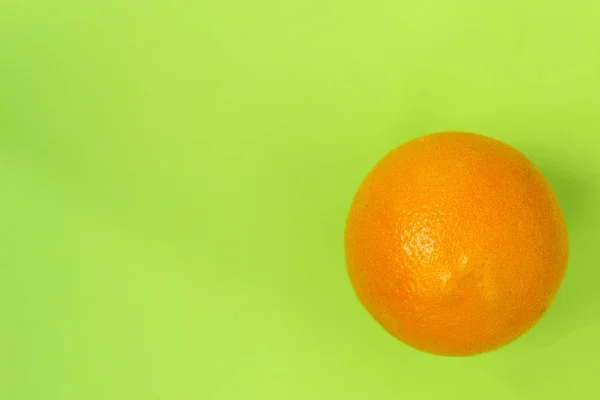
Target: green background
column 175, row 177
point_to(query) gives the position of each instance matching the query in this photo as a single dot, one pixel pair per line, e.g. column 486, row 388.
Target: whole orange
column 456, row 244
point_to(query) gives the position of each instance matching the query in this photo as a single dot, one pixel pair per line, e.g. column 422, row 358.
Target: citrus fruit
column 456, row 244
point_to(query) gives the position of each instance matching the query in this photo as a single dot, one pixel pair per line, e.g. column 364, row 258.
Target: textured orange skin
column 456, row 244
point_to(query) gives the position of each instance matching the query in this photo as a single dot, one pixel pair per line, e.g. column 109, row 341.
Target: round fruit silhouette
column 455, row 243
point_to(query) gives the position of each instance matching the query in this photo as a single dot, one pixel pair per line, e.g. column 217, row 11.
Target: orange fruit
column 455, row 243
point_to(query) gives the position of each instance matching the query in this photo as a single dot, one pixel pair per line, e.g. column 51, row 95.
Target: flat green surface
column 176, row 174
